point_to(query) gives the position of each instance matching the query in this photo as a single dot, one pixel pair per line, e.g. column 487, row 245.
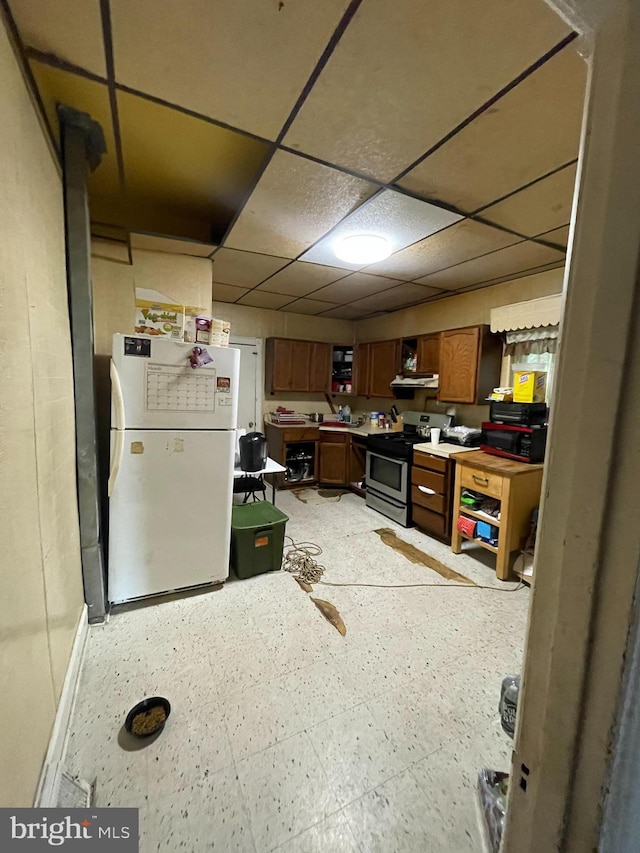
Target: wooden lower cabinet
column 333, row 455
column 341, row 459
column 285, row 445
column 517, row 485
column 432, row 493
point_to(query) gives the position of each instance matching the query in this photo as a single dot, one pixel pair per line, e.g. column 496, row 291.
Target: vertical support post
column 82, row 144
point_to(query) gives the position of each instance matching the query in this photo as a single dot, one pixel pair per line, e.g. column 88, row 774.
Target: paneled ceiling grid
column 500, row 116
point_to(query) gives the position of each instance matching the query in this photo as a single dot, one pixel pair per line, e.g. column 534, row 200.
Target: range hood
column 415, row 381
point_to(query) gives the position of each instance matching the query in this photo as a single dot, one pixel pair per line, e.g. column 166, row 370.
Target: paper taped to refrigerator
column 180, row 389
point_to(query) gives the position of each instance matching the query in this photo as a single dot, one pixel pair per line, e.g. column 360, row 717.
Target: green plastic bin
column 257, row 538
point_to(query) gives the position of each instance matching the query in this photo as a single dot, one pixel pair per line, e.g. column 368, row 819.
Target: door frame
column 583, row 603
column 258, row 344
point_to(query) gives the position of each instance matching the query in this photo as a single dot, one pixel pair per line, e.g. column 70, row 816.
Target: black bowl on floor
column 148, row 705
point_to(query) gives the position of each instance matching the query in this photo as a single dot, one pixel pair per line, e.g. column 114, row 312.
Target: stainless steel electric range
column 389, row 459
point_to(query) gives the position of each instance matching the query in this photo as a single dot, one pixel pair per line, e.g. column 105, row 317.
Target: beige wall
column 41, row 595
column 467, row 309
column 187, row 280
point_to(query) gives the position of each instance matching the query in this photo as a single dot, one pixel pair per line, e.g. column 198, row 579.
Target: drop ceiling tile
column 307, row 306
column 511, row 261
column 158, row 243
column 56, row 86
column 346, row 312
column 244, row 268
column 298, row 279
column 354, row 286
column 192, row 169
column 540, row 207
column 262, row 299
column 530, row 131
column 295, row 202
column 398, row 297
column 464, row 240
column 511, row 277
column 404, row 74
column 243, row 64
column 227, row 293
column 399, row 218
column 70, row 30
column 559, row 236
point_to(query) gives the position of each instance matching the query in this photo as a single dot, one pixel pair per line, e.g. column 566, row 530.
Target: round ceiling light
column 363, row 249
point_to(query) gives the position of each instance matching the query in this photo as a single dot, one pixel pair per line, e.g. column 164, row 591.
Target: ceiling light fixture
column 363, row 249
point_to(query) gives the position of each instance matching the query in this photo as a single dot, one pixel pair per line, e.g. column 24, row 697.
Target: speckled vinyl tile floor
column 285, row 735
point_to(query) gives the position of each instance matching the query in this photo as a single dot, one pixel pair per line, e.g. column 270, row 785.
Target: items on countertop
column 465, row 436
column 530, row 387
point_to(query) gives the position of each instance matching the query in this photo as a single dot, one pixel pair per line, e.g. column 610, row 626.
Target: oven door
column 388, row 476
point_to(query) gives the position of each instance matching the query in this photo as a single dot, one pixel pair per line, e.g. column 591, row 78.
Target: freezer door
column 153, row 385
column 169, row 510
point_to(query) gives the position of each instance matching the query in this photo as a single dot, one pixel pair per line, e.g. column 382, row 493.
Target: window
column 535, row 361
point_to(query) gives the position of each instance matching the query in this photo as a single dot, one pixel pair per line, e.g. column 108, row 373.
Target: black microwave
column 524, row 443
column 524, row 414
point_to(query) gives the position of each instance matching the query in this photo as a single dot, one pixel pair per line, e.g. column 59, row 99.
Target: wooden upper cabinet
column 300, row 365
column 279, row 363
column 320, row 367
column 384, row 357
column 428, row 354
column 287, row 364
column 361, row 369
column 470, row 362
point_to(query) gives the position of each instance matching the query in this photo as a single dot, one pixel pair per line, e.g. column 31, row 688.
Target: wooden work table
column 517, row 485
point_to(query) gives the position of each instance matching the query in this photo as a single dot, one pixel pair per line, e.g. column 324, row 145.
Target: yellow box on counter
column 530, row 387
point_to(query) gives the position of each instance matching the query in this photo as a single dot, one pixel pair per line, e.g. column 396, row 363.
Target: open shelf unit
column 479, row 516
column 342, row 369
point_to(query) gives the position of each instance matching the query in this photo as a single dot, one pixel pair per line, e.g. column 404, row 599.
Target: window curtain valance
column 527, row 315
column 531, row 341
column 531, row 327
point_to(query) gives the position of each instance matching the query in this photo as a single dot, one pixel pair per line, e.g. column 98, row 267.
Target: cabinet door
column 361, row 369
column 357, row 461
column 333, row 463
column 300, row 365
column 459, row 352
column 429, row 354
column 279, row 364
column 384, row 357
column 320, row 367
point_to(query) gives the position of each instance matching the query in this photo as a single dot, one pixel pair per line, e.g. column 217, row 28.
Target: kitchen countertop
column 443, row 449
column 365, row 430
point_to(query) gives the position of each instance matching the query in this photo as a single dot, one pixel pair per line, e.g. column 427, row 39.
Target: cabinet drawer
column 433, row 463
column 481, row 481
column 436, row 502
column 431, row 522
column 421, row 477
column 327, row 437
column 305, row 434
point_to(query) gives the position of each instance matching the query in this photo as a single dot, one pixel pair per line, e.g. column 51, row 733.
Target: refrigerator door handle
column 117, row 399
column 116, row 458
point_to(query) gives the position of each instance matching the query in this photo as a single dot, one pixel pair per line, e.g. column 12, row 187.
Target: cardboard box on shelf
column 159, row 318
column 530, row 387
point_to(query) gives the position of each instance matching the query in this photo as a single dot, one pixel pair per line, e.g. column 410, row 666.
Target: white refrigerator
column 171, row 471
